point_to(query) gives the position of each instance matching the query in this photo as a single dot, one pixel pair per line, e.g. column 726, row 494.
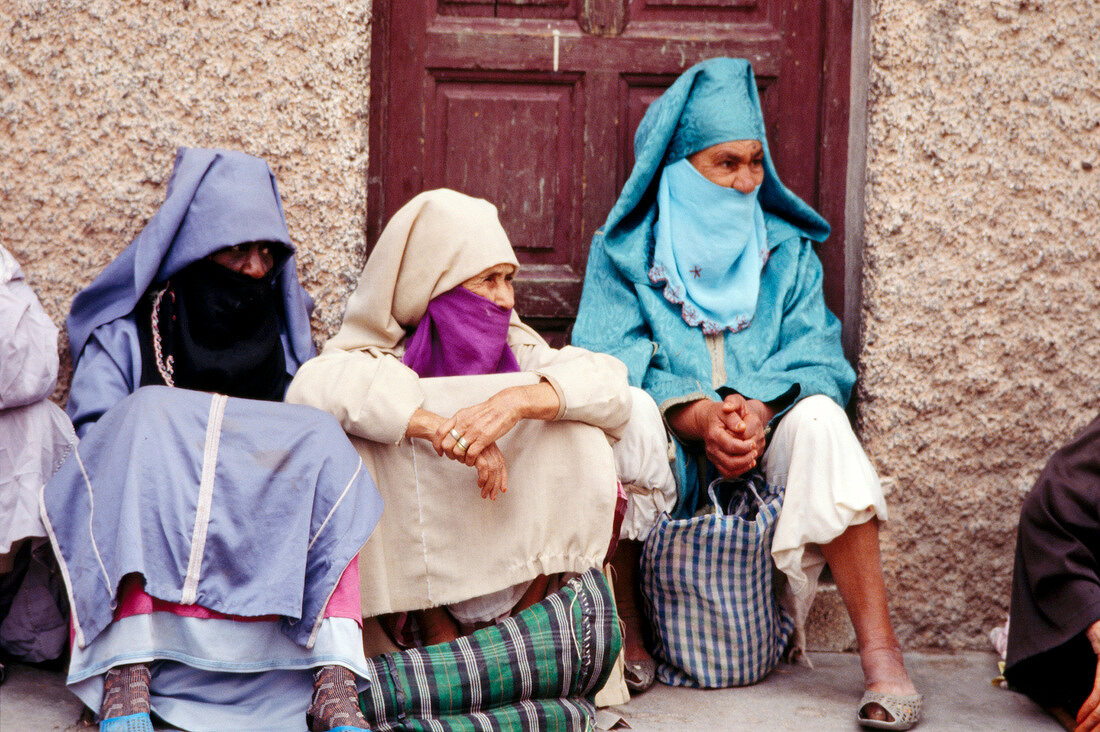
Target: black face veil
column 213, row 329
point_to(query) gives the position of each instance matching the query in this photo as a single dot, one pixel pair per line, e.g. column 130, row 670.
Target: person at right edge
column 1054, row 636
column 704, row 281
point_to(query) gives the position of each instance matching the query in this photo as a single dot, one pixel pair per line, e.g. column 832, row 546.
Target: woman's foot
column 884, row 674
column 884, row 671
column 856, row 565
column 335, row 702
column 125, row 691
column 640, row 668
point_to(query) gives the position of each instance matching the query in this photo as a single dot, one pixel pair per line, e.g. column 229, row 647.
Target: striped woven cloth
column 538, row 670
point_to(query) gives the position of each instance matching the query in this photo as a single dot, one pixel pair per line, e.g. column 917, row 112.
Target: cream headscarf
column 434, row 243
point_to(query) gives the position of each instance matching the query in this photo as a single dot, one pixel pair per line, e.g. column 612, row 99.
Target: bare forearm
column 534, row 401
column 423, row 424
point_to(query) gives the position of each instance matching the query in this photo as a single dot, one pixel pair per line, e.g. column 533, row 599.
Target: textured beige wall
column 981, row 349
column 95, row 96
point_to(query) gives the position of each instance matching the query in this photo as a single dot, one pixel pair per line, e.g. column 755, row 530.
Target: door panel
column 514, row 141
column 533, row 104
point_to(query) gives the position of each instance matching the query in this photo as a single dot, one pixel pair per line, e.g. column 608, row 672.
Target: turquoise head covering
column 712, row 102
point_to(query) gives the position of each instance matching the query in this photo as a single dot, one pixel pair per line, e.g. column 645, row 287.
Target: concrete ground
column 957, row 689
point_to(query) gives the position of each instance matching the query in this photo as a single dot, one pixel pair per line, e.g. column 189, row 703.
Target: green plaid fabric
column 538, row 670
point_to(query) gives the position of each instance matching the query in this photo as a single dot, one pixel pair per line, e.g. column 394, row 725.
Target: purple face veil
column 215, row 199
column 461, row 333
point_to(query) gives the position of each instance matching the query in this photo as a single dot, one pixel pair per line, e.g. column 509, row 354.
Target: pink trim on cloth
column 617, row 521
column 133, row 600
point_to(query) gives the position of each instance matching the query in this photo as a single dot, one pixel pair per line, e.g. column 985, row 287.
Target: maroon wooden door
column 533, row 104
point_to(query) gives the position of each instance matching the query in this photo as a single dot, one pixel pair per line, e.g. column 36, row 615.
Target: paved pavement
column 957, row 689
column 958, row 696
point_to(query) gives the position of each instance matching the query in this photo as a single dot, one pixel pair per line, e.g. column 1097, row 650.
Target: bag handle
column 712, row 490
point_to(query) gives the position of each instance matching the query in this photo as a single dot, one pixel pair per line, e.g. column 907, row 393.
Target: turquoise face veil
column 710, row 241
column 711, row 244
column 712, row 102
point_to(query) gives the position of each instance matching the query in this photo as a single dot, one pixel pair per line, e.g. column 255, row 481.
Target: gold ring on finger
column 461, row 443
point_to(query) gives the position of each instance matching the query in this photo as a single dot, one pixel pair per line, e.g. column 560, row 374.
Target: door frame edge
column 856, row 181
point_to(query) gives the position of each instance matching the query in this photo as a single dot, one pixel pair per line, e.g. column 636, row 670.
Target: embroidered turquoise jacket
column 792, row 348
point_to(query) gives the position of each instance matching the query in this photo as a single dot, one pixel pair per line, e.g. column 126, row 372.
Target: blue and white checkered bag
column 707, row 583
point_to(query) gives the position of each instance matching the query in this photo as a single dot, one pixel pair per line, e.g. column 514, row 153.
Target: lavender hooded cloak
column 215, row 199
column 245, row 507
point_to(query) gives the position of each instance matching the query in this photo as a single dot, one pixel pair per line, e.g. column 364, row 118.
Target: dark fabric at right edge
column 1056, row 581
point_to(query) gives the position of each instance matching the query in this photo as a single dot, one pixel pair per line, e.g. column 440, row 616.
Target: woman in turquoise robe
column 704, row 281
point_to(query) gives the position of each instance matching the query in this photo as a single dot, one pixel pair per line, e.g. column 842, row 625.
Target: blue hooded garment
column 245, row 507
column 215, row 199
column 791, row 349
column 258, row 506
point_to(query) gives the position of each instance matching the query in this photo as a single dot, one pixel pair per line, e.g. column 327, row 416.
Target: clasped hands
column 731, row 430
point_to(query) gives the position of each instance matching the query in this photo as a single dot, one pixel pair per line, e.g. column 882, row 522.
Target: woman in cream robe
column 440, row 543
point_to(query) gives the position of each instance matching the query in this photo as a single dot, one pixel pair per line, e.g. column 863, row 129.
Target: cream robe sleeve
column 369, row 391
column 592, row 387
column 374, row 395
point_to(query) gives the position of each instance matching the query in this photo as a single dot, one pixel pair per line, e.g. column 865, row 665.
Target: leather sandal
column 640, row 674
column 905, row 710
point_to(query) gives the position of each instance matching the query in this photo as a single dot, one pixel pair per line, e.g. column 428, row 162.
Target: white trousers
column 642, row 462
column 830, row 485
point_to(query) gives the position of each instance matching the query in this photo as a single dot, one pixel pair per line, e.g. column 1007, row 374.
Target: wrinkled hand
column 480, row 426
column 1088, row 716
column 732, row 431
column 755, row 416
column 492, row 473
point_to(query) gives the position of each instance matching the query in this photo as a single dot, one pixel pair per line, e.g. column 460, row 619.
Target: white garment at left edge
column 830, row 485
column 34, row 440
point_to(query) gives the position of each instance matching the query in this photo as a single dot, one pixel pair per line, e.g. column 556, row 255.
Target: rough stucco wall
column 95, row 97
column 981, row 349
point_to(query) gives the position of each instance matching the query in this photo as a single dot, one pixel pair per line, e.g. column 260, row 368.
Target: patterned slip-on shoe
column 139, row 722
column 904, row 710
column 640, row 674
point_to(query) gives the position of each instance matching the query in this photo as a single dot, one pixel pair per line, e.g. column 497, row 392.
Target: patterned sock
column 125, row 691
column 335, row 700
